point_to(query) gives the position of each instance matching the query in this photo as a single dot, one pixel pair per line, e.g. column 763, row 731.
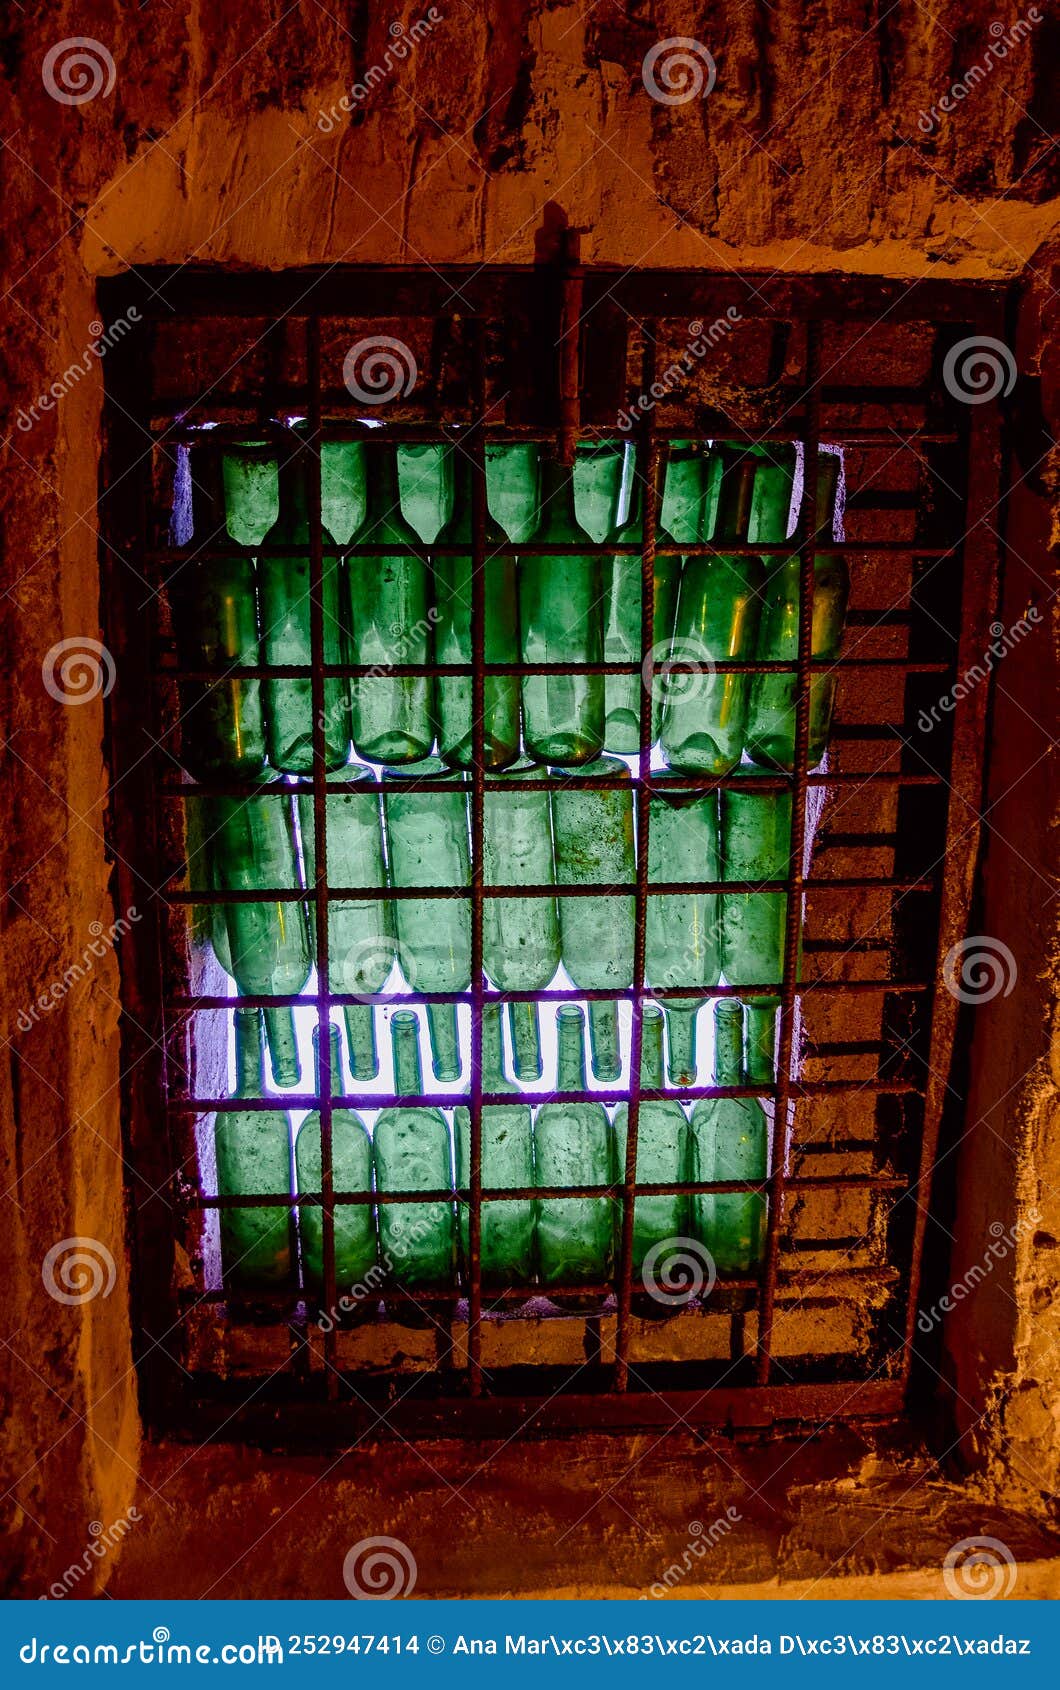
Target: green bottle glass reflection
column 342, row 499
column 215, row 616
column 268, row 943
column 622, row 632
column 573, row 1145
column 690, row 492
column 452, row 635
column 771, row 720
column 755, row 847
column 411, row 1153
column 360, row 931
column 730, row 1141
column 520, row 936
column 253, row 1150
column 393, row 715
column 704, row 713
column 284, row 587
column 351, row 1170
column 511, row 486
column 427, row 845
column 598, row 483
column 561, row 621
column 423, row 484
column 593, row 832
column 507, row 1236
column 662, row 1155
column 682, row 945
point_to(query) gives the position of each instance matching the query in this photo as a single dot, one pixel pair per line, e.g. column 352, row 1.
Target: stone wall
column 816, row 150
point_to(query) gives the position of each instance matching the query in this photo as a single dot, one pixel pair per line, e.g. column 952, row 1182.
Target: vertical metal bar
column 572, row 287
column 649, row 505
column 967, row 780
column 478, row 775
column 317, row 649
column 795, row 876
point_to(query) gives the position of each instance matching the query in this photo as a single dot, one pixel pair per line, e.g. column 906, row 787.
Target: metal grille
column 553, row 355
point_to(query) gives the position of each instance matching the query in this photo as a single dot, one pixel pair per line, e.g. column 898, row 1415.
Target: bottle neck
column 207, row 495
column 405, row 1038
column 771, row 502
column 734, row 501
column 556, row 488
column 294, row 487
column 827, row 487
column 728, row 1044
column 492, row 1048
column 381, row 475
column 651, row 1047
column 571, row 1042
column 335, row 1044
column 761, row 1043
column 250, row 1054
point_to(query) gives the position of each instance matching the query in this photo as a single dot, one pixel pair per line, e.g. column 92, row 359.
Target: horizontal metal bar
column 451, row 671
column 558, row 781
column 181, row 555
column 555, row 889
column 533, row 1193
column 188, row 1004
column 870, row 1086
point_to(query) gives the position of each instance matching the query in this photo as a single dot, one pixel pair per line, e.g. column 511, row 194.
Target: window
column 316, row 1276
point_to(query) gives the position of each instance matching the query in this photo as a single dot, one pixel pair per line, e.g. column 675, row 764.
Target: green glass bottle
column 775, row 471
column 393, row 715
column 284, row 585
column 412, row 1153
column 342, row 499
column 662, row 1157
column 507, row 1237
column 253, row 849
column 690, row 491
column 622, row 632
column 250, row 491
column 561, row 621
column 424, row 486
column 511, row 485
column 598, row 487
column 520, row 936
column 351, row 1170
column 427, row 845
column 452, row 634
column 215, row 616
column 253, row 1150
column 593, row 832
column 704, row 714
column 360, row 931
column 682, row 943
column 771, row 719
column 730, row 1141
column 574, row 1145
column 755, row 847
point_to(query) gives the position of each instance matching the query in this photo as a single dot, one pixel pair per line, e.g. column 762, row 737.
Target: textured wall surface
column 821, row 146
